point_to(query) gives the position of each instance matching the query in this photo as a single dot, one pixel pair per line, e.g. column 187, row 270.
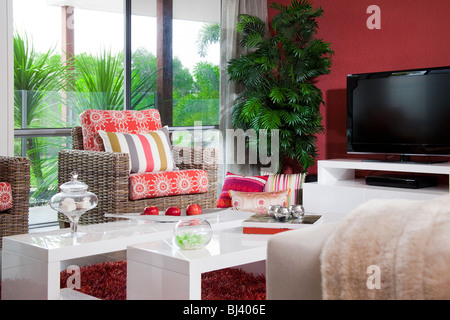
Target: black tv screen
column 404, row 112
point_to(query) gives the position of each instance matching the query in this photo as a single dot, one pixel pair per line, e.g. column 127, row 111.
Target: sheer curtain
column 230, row 48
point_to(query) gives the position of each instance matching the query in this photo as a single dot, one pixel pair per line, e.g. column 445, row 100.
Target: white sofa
column 386, row 249
column 293, row 263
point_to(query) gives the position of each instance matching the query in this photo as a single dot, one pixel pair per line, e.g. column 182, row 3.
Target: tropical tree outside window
column 58, row 73
column 201, row 102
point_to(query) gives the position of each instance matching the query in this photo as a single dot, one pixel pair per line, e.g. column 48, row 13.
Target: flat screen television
column 404, row 112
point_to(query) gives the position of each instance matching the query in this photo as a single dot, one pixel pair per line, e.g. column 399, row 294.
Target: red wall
column 413, row 34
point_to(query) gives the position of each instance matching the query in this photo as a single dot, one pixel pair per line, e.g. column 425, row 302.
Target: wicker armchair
column 16, row 171
column 107, row 176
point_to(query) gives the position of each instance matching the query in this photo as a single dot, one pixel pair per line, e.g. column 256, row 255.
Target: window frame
column 164, row 102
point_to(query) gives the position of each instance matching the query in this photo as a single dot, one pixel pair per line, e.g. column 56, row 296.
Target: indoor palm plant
column 278, row 78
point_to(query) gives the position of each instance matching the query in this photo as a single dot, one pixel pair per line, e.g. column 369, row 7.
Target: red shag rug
column 108, row 281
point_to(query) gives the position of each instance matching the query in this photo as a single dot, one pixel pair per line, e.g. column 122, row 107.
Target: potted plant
column 278, row 75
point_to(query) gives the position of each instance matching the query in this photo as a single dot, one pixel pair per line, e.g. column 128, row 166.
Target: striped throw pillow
column 278, row 182
column 149, row 152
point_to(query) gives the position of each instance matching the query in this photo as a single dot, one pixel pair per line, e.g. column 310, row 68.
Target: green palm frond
column 37, row 80
column 209, row 34
column 98, row 82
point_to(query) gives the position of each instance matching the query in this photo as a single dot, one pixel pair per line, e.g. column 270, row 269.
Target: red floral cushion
column 5, row 196
column 125, row 121
column 239, row 183
column 168, row 183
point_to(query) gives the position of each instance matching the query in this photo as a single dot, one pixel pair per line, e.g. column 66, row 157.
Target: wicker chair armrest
column 16, row 171
column 105, row 173
column 77, row 138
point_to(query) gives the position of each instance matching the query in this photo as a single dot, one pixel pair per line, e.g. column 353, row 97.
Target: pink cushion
column 168, row 183
column 5, row 196
column 239, row 183
column 125, row 121
column 258, row 202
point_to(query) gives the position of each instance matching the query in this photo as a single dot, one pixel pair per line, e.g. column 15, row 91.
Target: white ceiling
column 193, row 10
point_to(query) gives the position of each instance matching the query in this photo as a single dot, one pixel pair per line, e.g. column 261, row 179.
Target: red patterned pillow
column 124, row 121
column 5, row 196
column 167, row 183
column 239, row 183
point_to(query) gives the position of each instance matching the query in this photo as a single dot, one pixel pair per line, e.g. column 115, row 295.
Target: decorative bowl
column 192, row 234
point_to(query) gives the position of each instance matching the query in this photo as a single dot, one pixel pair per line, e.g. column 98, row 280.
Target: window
column 72, row 55
column 144, row 55
column 196, row 52
column 65, row 62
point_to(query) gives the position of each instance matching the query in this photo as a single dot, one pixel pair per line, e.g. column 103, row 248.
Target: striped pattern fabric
column 149, row 152
column 279, row 182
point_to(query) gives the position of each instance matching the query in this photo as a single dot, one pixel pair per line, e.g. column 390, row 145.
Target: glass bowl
column 192, row 234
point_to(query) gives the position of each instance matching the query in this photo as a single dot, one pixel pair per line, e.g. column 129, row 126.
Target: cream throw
column 409, row 241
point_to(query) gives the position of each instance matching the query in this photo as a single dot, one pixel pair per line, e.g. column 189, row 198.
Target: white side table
column 160, row 270
column 31, row 263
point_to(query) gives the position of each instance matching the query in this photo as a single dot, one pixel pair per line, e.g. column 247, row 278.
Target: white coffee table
column 31, row 263
column 160, row 270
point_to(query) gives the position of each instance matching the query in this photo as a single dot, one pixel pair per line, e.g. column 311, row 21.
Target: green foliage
column 36, row 77
column 53, row 94
column 183, row 81
column 278, row 75
column 203, row 103
column 34, row 74
column 97, row 82
column 209, row 34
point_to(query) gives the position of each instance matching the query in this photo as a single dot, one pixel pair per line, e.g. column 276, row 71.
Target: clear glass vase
column 73, row 201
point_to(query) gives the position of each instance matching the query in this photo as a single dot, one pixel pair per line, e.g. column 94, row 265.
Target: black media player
column 402, row 181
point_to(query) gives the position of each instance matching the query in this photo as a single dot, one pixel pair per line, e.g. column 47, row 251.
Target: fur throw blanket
column 390, row 249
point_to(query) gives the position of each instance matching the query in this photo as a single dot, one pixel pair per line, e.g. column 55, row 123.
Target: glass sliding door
column 196, row 73
column 196, row 50
column 96, row 76
column 144, row 51
column 68, row 57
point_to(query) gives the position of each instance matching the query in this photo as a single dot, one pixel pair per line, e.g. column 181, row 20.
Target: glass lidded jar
column 192, row 234
column 73, row 201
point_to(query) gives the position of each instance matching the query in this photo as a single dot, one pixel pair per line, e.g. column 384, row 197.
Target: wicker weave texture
column 107, row 175
column 16, row 171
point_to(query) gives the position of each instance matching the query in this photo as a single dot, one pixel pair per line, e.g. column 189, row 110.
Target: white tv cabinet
column 338, row 191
